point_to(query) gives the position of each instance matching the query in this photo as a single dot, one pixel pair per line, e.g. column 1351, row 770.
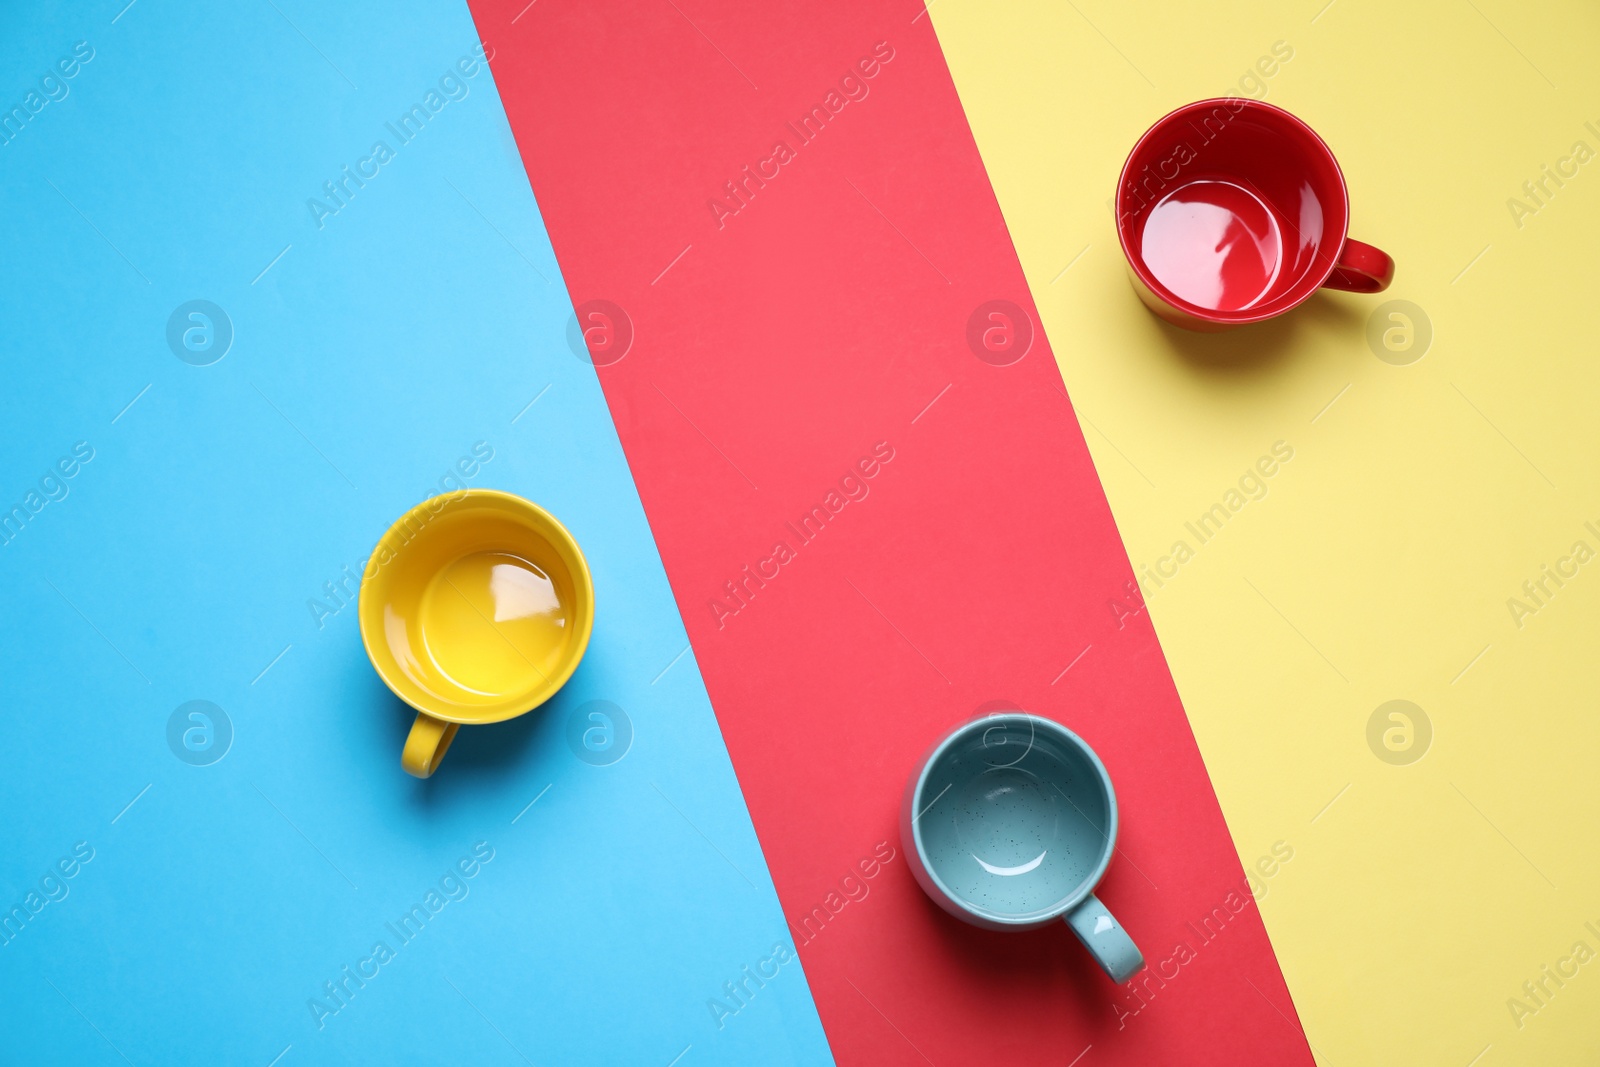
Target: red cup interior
column 1232, row 210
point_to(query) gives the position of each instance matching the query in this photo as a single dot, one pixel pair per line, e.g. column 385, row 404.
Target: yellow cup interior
column 476, row 606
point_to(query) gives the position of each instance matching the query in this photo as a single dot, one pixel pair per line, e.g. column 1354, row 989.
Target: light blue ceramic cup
column 1010, row 824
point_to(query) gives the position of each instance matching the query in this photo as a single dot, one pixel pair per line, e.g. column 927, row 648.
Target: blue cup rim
column 1090, row 881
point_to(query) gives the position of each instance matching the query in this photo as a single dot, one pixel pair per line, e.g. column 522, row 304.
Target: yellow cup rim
column 539, row 692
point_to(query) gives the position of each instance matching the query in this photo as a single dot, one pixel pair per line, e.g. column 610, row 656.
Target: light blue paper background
column 421, row 318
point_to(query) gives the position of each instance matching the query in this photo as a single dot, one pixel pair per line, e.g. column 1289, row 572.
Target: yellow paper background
column 1380, row 562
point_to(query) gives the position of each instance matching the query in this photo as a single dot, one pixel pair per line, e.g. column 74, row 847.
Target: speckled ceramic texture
column 1011, row 821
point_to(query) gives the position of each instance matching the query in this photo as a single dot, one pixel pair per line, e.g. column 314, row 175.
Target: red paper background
column 772, row 355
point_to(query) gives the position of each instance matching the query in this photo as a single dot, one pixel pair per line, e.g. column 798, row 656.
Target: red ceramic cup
column 1232, row 211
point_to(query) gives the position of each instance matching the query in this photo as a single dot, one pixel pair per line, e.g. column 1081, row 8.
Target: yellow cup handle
column 426, row 745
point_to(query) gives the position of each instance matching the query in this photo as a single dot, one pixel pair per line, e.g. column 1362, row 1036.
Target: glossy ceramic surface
column 475, row 607
column 1010, row 823
column 1017, row 819
column 1232, row 211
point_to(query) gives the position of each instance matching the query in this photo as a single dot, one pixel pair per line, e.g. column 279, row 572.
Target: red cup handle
column 1361, row 269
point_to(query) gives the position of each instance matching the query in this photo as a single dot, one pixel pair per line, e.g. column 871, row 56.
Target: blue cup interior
column 1016, row 820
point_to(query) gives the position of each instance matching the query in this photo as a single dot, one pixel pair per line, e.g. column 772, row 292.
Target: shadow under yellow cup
column 475, row 608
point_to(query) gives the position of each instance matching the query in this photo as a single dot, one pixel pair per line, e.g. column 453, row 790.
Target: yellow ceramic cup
column 475, row 607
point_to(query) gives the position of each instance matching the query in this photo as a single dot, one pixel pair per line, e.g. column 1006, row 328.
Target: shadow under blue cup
column 1010, row 823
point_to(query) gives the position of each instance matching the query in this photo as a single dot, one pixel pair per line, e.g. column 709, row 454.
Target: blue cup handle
column 1105, row 939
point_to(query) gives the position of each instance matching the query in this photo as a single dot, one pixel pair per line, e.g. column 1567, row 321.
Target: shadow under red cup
column 1231, row 211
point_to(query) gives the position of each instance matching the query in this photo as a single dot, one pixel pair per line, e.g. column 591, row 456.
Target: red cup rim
column 1142, row 270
